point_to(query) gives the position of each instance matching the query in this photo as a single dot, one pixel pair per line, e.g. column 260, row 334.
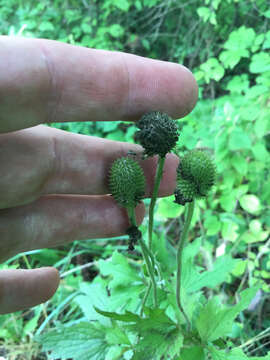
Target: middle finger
column 43, row 160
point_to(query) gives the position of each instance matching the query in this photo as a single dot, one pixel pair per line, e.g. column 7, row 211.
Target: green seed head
column 195, row 176
column 158, row 133
column 127, row 182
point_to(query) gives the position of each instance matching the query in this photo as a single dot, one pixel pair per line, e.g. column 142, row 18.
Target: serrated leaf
column 122, row 272
column 234, row 354
column 93, row 295
column 260, row 63
column 83, row 341
column 115, row 336
column 215, row 321
column 221, row 269
column 156, row 346
column 127, row 317
column 125, row 283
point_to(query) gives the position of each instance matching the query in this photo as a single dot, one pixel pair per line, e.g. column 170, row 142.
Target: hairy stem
column 147, row 256
column 160, row 166
column 145, row 297
column 131, row 216
column 181, row 245
column 150, row 270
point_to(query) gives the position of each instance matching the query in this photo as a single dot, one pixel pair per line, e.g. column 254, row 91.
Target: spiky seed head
column 158, row 133
column 127, row 182
column 195, row 176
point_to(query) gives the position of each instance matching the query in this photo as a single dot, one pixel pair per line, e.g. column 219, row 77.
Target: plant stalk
column 160, row 166
column 145, row 297
column 181, row 245
column 147, row 256
column 149, row 269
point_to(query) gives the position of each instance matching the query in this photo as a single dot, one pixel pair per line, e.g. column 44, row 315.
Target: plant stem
column 147, row 256
column 145, row 297
column 149, row 269
column 181, row 244
column 131, row 216
column 160, row 166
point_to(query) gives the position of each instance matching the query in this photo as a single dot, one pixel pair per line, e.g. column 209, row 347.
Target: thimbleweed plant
column 158, row 135
column 196, row 174
column 127, row 186
column 178, row 322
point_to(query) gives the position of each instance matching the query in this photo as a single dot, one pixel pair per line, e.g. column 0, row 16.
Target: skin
column 53, row 184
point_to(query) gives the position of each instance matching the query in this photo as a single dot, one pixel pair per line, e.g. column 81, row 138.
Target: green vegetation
column 227, row 259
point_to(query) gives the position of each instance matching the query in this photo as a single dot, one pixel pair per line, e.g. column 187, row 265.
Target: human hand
column 53, row 184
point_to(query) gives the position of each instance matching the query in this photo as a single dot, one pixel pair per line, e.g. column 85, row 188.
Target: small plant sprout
column 195, row 176
column 158, row 135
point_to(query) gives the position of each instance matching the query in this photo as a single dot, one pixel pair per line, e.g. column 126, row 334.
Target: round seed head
column 127, row 182
column 197, row 169
column 158, row 133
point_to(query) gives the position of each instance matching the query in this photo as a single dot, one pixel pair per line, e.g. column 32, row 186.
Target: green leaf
column 259, row 151
column 238, row 84
column 195, row 352
column 229, row 230
column 240, row 163
column 266, row 44
column 240, row 268
column 116, row 30
column 127, row 317
column 86, row 28
column 167, row 208
column 212, row 224
column 212, row 70
column 155, row 319
column 221, row 269
column 46, row 26
column 267, row 14
column 83, row 341
column 120, row 270
column 204, row 12
column 121, row 4
column 230, row 58
column 234, row 354
column 255, row 91
column 241, row 38
column 250, row 203
column 94, row 295
column 116, row 336
column 159, row 336
column 125, row 282
column 238, row 140
column 260, row 63
column 30, row 325
column 228, row 201
column 157, row 346
column 261, row 124
column 188, row 137
column 215, row 321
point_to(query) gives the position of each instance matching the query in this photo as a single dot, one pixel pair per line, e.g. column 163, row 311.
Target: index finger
column 43, row 81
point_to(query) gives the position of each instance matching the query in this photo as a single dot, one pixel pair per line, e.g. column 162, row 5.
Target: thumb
column 21, row 289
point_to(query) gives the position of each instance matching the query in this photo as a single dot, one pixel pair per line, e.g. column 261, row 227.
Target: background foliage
column 226, row 45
